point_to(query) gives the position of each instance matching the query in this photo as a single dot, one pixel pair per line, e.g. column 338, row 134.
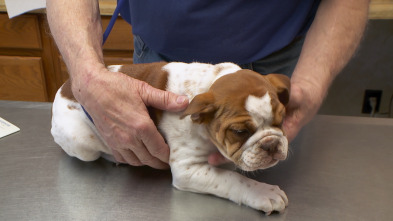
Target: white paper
column 6, row 128
column 17, row 7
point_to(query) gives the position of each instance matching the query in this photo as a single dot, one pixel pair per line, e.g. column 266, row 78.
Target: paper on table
column 17, row 7
column 6, row 128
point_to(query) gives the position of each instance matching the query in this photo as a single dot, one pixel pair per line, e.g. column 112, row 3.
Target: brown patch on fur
column 282, row 85
column 152, row 74
column 278, row 113
column 66, row 91
column 71, row 107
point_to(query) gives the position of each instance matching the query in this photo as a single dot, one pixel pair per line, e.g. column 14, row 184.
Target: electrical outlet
column 366, row 109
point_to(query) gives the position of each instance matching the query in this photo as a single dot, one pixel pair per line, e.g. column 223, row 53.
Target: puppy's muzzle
column 269, row 144
column 274, row 146
column 264, row 149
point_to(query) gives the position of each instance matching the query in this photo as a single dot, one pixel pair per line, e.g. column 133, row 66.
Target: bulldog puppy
column 237, row 112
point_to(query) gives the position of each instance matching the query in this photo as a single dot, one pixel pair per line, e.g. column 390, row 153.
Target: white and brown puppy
column 239, row 112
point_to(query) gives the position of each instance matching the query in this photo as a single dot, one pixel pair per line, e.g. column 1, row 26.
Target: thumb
column 290, row 130
column 163, row 100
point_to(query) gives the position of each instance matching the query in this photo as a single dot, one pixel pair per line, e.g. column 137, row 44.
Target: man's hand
column 117, row 104
column 304, row 103
column 330, row 42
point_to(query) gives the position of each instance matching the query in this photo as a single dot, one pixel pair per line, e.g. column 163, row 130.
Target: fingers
column 145, row 147
column 154, row 142
column 140, row 158
column 122, row 119
column 163, row 100
column 291, row 124
column 129, row 157
column 290, row 129
column 300, row 110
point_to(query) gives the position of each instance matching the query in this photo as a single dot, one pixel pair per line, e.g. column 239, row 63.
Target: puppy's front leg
column 204, row 178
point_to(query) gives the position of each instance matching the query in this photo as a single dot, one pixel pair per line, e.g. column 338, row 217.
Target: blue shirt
column 214, row 31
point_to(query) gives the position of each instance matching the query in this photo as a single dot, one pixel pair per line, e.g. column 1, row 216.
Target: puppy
column 237, row 112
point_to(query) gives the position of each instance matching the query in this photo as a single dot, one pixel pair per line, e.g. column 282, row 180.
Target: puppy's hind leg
column 71, row 130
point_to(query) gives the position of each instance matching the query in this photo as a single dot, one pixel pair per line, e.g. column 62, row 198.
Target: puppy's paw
column 267, row 198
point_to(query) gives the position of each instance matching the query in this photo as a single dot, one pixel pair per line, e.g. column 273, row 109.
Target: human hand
column 304, row 102
column 117, row 104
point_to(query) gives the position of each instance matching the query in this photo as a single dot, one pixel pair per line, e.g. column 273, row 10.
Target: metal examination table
column 339, row 168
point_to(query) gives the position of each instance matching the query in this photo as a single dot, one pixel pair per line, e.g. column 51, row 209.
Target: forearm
column 76, row 28
column 330, row 43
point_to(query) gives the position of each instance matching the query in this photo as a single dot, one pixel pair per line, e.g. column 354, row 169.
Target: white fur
column 74, row 132
column 190, row 146
column 260, row 109
column 254, row 157
column 195, row 78
column 114, row 68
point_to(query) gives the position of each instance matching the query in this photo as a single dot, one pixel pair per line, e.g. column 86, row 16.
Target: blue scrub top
column 213, row 31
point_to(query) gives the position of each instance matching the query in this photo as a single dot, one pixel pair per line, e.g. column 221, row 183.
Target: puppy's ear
column 201, row 108
column 283, row 85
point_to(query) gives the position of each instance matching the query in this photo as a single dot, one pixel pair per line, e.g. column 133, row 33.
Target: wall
column 370, row 68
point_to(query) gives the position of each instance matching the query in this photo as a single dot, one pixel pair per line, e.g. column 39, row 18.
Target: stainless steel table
column 339, row 168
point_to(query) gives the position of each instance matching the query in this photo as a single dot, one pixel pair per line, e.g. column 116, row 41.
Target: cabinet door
column 120, row 37
column 21, row 32
column 22, row 78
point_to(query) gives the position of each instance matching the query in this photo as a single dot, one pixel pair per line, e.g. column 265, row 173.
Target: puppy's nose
column 269, row 144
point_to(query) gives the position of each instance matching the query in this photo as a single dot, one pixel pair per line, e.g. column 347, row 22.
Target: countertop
column 339, row 168
column 379, row 9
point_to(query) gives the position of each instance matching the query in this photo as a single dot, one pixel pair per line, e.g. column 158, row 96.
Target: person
column 309, row 40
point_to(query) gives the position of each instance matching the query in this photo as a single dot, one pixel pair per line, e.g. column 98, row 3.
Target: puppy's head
column 243, row 113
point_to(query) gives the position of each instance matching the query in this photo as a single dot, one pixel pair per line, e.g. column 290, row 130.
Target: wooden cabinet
column 119, row 47
column 22, row 33
column 31, row 68
column 22, row 65
column 22, row 79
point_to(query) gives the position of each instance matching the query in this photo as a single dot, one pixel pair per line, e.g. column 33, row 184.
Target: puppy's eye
column 241, row 132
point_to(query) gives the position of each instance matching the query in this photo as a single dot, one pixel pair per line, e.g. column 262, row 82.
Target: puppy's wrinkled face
column 243, row 113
